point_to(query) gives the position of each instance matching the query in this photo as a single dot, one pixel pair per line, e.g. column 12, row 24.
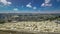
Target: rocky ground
column 43, row 26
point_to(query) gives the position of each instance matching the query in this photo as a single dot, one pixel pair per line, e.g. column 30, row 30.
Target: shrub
column 2, row 21
column 9, row 20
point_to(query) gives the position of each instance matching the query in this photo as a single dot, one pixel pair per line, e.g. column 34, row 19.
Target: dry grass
column 43, row 26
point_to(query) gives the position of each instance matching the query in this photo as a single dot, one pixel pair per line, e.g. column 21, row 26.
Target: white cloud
column 9, row 3
column 15, row 9
column 46, row 3
column 29, row 5
column 34, row 8
column 42, row 4
column 5, row 2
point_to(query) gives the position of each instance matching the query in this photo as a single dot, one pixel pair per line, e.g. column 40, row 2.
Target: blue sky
column 29, row 5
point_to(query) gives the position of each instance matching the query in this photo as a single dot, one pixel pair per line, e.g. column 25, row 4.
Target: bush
column 2, row 21
column 9, row 20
